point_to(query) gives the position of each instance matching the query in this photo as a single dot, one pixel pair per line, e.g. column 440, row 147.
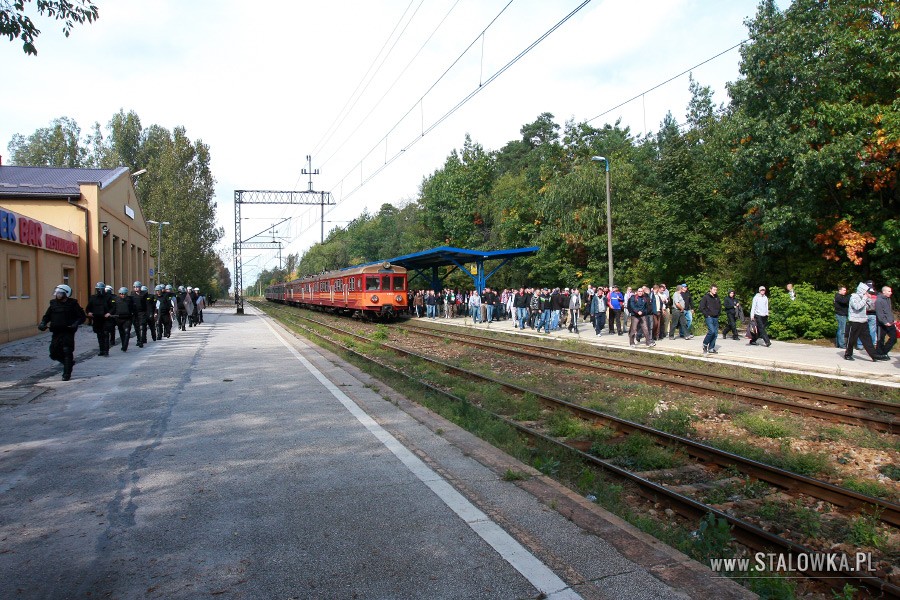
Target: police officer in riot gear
column 139, row 300
column 150, row 322
column 124, row 312
column 181, row 307
column 63, row 317
column 164, row 310
column 99, row 310
column 111, row 323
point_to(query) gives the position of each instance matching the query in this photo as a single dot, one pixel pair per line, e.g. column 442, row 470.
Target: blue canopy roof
column 447, row 255
column 443, row 256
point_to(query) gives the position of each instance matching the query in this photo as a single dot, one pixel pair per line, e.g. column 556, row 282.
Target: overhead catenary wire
column 389, row 160
column 394, row 83
column 341, row 113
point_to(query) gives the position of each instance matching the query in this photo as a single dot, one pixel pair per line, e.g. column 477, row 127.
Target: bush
column 810, row 315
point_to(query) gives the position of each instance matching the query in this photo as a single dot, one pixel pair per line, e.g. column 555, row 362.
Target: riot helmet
column 63, row 289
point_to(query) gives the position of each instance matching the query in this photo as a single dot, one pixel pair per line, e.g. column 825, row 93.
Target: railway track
column 878, row 415
column 744, row 532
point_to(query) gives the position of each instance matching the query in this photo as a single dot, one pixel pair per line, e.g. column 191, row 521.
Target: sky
column 354, row 84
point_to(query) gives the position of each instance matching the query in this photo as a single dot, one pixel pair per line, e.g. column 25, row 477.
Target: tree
column 15, row 24
column 58, row 145
column 815, row 133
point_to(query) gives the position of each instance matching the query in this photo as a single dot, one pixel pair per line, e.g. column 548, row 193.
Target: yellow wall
column 119, row 258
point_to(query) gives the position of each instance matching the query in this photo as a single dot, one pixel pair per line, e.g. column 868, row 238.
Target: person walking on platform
column 111, row 322
column 63, row 317
column 884, row 312
column 678, row 319
column 616, row 301
column 164, row 311
column 759, row 314
column 860, row 304
column 711, row 308
column 151, row 315
column 139, row 299
column 124, row 312
column 598, row 310
column 199, row 304
column 181, row 308
column 99, row 310
column 574, row 310
column 731, row 304
column 841, row 308
column 639, row 308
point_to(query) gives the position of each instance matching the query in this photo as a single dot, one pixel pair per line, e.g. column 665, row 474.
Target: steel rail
column 888, row 424
column 745, row 532
column 794, row 482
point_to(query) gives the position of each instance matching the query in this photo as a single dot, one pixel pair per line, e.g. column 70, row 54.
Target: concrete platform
column 238, row 461
column 788, row 357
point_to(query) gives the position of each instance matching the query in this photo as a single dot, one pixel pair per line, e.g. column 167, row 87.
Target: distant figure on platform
column 860, row 304
column 731, row 305
column 63, row 317
column 887, row 331
column 841, row 307
column 759, row 314
column 789, row 288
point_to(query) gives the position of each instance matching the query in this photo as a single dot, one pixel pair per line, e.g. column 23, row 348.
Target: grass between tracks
column 477, row 401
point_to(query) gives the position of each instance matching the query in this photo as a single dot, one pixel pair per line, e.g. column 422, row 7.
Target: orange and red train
column 376, row 291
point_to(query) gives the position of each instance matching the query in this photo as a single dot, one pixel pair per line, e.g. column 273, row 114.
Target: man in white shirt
column 759, row 314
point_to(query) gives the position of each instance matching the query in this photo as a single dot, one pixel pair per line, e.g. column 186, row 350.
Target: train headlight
column 374, row 298
column 399, row 299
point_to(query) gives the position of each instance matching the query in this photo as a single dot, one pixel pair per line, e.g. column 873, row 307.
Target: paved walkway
column 782, row 356
column 235, row 460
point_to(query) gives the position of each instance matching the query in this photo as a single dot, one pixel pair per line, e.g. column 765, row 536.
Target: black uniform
column 140, row 301
column 182, row 310
column 123, row 309
column 163, row 315
column 63, row 317
column 98, row 306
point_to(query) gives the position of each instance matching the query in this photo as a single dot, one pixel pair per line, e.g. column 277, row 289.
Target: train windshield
column 398, row 283
column 372, row 283
column 386, row 282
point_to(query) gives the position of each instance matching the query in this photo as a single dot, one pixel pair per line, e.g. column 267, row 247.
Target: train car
column 376, row 291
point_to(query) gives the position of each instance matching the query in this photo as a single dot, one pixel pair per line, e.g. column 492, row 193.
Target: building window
column 18, row 282
column 68, row 277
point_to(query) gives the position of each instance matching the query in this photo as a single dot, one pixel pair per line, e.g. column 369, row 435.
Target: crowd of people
column 109, row 312
column 648, row 314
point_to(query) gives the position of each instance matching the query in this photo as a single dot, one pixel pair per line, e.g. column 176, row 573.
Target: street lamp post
column 158, row 247
column 608, row 219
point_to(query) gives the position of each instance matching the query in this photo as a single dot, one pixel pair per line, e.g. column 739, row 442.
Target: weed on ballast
column 638, row 452
column 765, row 424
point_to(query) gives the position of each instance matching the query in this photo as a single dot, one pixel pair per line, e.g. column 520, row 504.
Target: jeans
column 873, row 327
column 522, row 316
column 490, row 313
column 689, row 319
column 554, row 319
column 599, row 322
column 840, row 340
column 431, row 309
column 475, row 312
column 545, row 321
column 712, row 326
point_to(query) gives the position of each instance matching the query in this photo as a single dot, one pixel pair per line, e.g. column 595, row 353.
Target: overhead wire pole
column 265, row 197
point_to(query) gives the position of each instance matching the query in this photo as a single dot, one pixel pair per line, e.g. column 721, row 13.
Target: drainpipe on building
column 87, row 243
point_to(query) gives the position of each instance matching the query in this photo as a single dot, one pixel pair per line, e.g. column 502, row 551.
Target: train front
column 385, row 291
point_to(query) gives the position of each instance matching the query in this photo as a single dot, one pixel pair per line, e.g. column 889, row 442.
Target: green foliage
column 712, row 538
column 677, row 421
column 637, row 452
column 810, row 315
column 15, row 24
column 869, row 487
column 864, row 531
column 891, row 471
column 764, row 424
column 177, row 187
